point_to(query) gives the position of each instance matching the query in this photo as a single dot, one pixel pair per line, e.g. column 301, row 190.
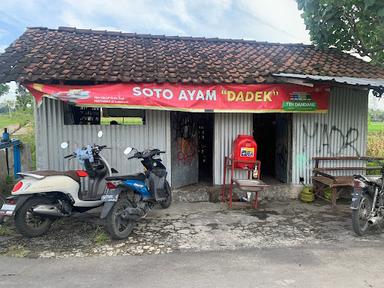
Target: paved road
column 273, row 267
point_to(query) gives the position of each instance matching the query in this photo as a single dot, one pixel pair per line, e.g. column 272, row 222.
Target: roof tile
column 42, row 54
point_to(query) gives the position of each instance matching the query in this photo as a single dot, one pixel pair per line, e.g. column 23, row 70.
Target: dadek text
column 250, row 96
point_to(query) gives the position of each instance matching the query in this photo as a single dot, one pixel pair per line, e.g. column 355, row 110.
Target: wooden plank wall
column 26, row 162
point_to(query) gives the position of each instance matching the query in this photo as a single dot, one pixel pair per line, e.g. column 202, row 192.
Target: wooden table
column 246, row 185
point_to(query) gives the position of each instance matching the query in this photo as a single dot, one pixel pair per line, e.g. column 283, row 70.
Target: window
column 120, row 116
column 74, row 115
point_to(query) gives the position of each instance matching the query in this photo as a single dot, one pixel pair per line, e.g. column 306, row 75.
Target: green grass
column 99, row 236
column 22, row 118
column 374, row 127
column 6, row 231
column 5, row 121
column 7, row 185
column 122, row 120
column 30, row 140
column 18, row 117
column 17, row 251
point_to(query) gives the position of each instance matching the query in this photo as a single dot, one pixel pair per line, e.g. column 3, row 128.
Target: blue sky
column 262, row 20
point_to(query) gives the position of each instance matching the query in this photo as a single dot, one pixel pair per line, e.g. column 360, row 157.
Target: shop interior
column 192, row 148
column 272, row 133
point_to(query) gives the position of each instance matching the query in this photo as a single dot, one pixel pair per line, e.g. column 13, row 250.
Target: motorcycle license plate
column 7, row 209
column 109, row 198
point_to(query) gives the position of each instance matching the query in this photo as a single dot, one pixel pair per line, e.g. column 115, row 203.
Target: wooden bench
column 321, row 179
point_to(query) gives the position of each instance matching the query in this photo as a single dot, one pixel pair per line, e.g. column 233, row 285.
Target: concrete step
column 191, row 194
column 201, row 193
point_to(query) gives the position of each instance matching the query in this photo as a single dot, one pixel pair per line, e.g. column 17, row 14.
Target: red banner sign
column 194, row 98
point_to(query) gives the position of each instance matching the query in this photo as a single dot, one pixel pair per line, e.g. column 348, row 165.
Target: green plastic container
column 307, row 195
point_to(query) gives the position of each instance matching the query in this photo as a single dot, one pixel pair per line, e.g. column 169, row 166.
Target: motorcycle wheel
column 30, row 225
column 166, row 203
column 2, row 202
column 361, row 215
column 117, row 227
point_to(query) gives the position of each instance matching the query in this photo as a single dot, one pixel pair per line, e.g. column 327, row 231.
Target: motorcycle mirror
column 100, row 134
column 64, row 145
column 128, row 150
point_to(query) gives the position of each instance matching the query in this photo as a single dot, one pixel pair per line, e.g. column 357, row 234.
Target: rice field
column 376, row 144
column 375, row 139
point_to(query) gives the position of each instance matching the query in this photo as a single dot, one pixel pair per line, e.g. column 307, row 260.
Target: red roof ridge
column 167, row 37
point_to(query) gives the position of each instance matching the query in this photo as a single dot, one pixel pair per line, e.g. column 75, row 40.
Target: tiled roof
column 42, row 54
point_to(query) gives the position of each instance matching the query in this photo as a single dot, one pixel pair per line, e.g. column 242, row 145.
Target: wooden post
column 334, row 191
column 26, row 158
column 3, row 165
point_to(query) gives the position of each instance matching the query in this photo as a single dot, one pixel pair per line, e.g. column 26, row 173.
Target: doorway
column 272, row 134
column 205, row 147
column 192, row 148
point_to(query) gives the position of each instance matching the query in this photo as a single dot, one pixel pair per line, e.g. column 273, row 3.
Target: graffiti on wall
column 186, row 150
column 331, row 140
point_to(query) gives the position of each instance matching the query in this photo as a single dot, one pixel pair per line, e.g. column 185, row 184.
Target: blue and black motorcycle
column 131, row 197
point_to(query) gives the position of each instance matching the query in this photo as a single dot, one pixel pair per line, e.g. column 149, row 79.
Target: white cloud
column 281, row 16
column 133, row 16
column 262, row 20
column 71, row 19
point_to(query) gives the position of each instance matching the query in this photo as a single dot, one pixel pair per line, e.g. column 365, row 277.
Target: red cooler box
column 244, row 149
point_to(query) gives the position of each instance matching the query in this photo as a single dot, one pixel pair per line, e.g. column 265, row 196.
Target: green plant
column 30, row 140
column 7, row 186
column 99, row 236
column 17, row 251
column 6, row 230
column 4, row 89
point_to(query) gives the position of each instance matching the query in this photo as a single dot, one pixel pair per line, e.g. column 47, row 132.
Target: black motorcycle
column 131, row 197
column 367, row 202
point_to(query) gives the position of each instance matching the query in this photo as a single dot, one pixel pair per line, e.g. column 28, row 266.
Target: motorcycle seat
column 45, row 173
column 375, row 180
column 138, row 176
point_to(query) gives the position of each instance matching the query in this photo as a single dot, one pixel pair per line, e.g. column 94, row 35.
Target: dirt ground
column 189, row 227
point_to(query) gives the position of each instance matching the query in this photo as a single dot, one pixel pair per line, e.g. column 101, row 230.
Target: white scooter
column 40, row 197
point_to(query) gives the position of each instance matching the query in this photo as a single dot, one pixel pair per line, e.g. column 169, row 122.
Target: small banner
column 252, row 98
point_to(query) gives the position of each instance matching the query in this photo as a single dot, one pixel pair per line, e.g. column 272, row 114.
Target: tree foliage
column 24, row 99
column 348, row 25
column 4, row 89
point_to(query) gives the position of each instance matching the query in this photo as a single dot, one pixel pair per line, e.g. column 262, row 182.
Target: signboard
column 251, row 98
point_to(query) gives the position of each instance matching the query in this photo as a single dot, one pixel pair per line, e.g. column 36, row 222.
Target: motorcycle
column 367, row 202
column 40, row 197
column 131, row 197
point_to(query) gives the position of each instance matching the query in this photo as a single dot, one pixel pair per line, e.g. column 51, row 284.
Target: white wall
column 340, row 132
column 51, row 131
column 226, row 128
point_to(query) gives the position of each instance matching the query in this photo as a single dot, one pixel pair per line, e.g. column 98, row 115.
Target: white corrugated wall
column 51, row 131
column 340, row 132
column 226, row 127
